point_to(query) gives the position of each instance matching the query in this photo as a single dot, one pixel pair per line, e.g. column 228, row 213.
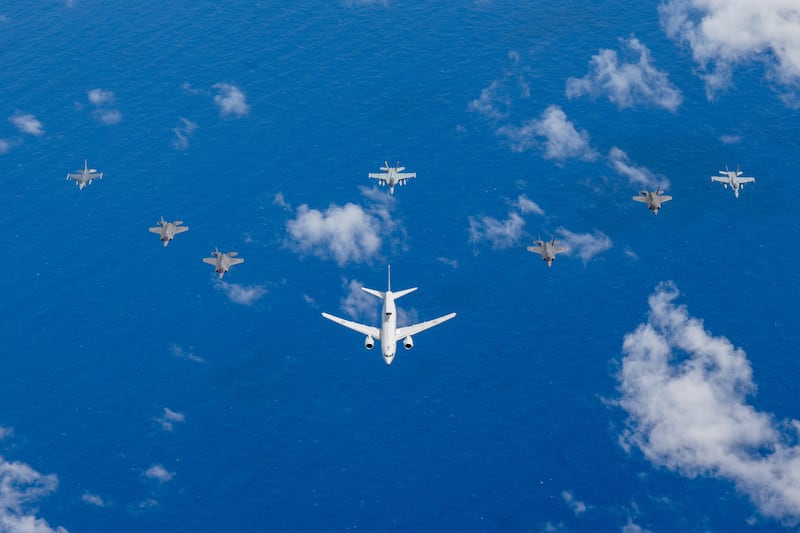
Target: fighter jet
column 653, row 199
column 84, row 177
column 547, row 250
column 222, row 262
column 392, row 176
column 734, row 179
column 168, row 230
column 389, row 334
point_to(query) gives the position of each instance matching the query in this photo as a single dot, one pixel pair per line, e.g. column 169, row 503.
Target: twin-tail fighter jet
column 222, row 262
column 168, row 230
column 84, row 177
column 392, row 176
column 734, row 179
column 653, row 199
column 389, row 334
column 547, row 250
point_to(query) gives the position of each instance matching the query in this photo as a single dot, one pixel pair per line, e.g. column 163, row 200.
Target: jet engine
column 408, row 343
column 369, row 343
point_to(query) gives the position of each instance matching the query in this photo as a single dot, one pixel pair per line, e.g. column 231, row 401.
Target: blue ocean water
column 290, row 424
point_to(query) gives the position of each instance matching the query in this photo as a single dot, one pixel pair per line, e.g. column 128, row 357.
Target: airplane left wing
column 378, row 176
column 720, row 179
column 210, row 260
column 155, row 230
column 665, row 199
column 745, row 180
column 642, row 199
column 373, row 332
column 181, row 229
column 422, row 326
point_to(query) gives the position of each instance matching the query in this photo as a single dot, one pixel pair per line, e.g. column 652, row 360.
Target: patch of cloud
column 93, row 499
column 5, row 432
column 527, row 206
column 453, row 263
column 628, row 82
column 640, row 176
column 584, row 245
column 357, row 304
column 630, row 527
column 169, row 418
column 5, row 146
column 560, row 137
column 723, row 35
column 685, row 392
column 20, row 486
column 102, row 99
column 280, row 201
column 183, row 132
column 241, row 294
column 495, row 100
column 180, row 353
column 159, row 473
column 407, row 317
column 27, row 123
column 498, row 233
column 348, row 234
column 730, row 139
column 577, row 506
column 230, row 100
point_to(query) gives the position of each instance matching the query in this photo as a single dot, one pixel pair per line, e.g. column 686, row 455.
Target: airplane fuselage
column 388, row 328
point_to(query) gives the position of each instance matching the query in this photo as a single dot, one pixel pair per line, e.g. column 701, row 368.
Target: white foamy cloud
column 179, row 352
column 357, row 304
column 20, row 486
column 560, row 137
column 527, row 206
column 640, row 176
column 496, row 99
column 100, row 97
column 626, row 83
column 169, row 418
column 109, row 117
column 93, row 499
column 686, row 391
column 231, row 100
column 730, row 139
column 498, row 233
column 27, row 123
column 241, row 294
column 577, row 506
column 5, row 146
column 159, row 473
column 725, row 34
column 183, row 132
column 584, row 245
column 348, row 233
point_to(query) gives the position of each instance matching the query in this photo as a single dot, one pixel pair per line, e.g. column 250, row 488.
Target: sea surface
column 498, row 420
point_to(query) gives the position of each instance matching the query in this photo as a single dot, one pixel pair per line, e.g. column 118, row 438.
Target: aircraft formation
column 389, row 334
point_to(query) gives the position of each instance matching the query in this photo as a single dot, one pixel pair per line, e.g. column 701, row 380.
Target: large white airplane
column 84, row 177
column 389, row 333
column 392, row 176
column 734, row 179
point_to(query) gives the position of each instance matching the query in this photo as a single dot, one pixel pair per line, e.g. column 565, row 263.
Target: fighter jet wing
column 236, row 261
column 665, row 199
column 535, row 249
column 378, row 175
column 406, row 175
column 155, row 230
column 422, row 326
column 373, row 332
column 745, row 180
column 560, row 249
column 642, row 199
column 210, row 260
column 181, row 229
column 721, row 179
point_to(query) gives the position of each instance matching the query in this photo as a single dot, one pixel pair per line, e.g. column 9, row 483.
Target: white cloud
column 109, row 117
column 21, row 485
column 241, row 294
column 231, row 100
column 100, row 97
column 641, row 176
column 495, row 100
column 280, row 201
column 93, row 499
column 27, row 123
column 5, row 146
column 561, row 139
column 346, row 233
column 627, row 83
column 578, row 507
column 453, row 263
column 499, row 233
column 183, row 132
column 630, row 527
column 526, row 206
column 685, row 393
column 584, row 245
column 730, row 139
column 179, row 352
column 357, row 304
column 724, row 34
column 5, row 432
column 168, row 419
column 159, row 473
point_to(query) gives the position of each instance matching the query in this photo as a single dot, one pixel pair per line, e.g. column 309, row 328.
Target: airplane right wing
column 236, row 261
column 665, row 199
column 745, row 180
column 180, row 229
column 422, row 326
column 373, row 332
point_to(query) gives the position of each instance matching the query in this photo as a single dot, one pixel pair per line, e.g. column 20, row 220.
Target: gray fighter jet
column 547, row 250
column 392, row 176
column 653, row 199
column 734, row 179
column 168, row 230
column 222, row 261
column 84, row 177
